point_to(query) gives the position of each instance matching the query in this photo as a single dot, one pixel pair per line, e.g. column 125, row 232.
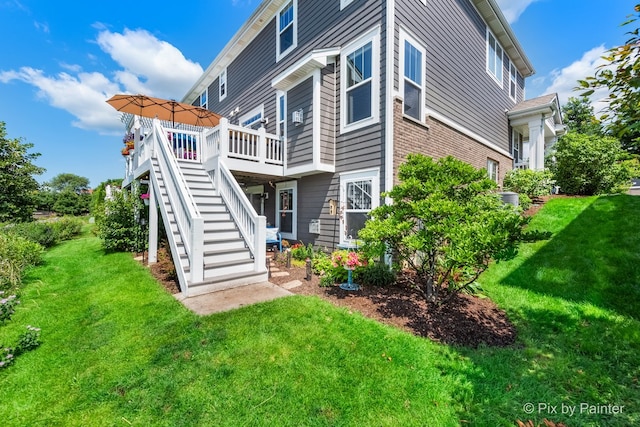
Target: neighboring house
column 323, row 100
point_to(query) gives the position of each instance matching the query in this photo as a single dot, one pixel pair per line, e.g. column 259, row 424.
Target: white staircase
column 227, row 260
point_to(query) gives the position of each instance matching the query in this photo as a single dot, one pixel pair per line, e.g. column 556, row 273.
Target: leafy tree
column 621, row 76
column 446, row 223
column 588, row 164
column 17, row 183
column 578, row 115
column 68, row 202
column 68, row 181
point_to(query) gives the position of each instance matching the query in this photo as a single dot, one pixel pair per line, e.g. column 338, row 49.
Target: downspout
column 389, row 106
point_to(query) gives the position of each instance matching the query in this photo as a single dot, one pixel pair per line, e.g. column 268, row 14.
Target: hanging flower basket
column 145, row 198
column 125, row 151
column 130, row 145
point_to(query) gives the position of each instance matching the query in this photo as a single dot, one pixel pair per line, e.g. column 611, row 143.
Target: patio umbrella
column 164, row 109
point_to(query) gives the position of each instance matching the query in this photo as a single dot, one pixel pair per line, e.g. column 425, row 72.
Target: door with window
column 286, row 209
column 359, row 194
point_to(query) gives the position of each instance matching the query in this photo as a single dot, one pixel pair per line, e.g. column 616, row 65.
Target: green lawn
column 118, row 350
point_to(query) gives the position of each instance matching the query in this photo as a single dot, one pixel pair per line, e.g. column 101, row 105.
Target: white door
column 286, row 209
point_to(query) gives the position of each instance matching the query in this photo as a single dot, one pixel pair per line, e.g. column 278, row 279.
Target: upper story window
column 287, row 38
column 203, row 99
column 513, row 81
column 281, row 113
column 494, row 57
column 412, row 84
column 345, row 3
column 253, row 119
column 222, row 85
column 360, row 82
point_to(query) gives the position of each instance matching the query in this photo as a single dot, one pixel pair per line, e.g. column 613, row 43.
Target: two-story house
column 323, row 100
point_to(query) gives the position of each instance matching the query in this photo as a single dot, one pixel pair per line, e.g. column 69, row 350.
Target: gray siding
column 300, row 137
column 457, row 84
column 328, row 108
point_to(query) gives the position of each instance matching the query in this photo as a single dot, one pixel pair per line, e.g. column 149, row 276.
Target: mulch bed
column 465, row 320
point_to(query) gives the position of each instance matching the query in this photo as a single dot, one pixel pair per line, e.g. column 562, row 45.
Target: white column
column 536, row 143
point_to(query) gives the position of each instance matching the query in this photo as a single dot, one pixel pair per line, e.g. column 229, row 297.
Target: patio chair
column 274, row 239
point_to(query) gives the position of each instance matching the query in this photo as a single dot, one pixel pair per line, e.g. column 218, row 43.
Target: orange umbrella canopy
column 164, row 109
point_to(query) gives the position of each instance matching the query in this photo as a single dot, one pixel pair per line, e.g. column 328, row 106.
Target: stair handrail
column 252, row 226
column 185, row 210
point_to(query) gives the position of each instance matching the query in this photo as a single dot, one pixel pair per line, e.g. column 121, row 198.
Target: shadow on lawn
column 572, row 353
column 595, row 259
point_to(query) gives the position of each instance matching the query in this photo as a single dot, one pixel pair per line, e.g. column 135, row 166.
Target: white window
column 513, row 80
column 287, row 38
column 412, row 84
column 253, row 119
column 281, row 113
column 222, row 85
column 360, row 70
column 286, row 209
column 494, row 57
column 359, row 194
column 492, row 170
column 203, row 99
column 518, row 143
column 345, row 3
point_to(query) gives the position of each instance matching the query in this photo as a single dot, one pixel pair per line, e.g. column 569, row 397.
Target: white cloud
column 147, row 65
column 512, row 9
column 566, row 79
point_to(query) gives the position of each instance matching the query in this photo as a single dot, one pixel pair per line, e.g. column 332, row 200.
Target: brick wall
column 436, row 139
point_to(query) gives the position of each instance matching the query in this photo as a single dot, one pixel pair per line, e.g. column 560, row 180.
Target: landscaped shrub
column 27, row 341
column 331, row 269
column 16, row 255
column 377, row 274
column 301, row 252
column 529, row 184
column 589, row 164
column 117, row 227
column 66, row 227
column 39, row 232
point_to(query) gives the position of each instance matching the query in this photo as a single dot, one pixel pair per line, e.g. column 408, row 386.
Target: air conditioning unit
column 297, row 117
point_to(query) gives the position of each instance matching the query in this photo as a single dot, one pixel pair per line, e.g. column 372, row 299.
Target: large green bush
column 446, row 223
column 116, row 224
column 529, row 184
column 589, row 164
column 16, row 255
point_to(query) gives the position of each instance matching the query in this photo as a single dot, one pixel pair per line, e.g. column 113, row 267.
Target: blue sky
column 60, row 60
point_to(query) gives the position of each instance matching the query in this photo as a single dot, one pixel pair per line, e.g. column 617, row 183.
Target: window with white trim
column 518, row 147
column 345, row 3
column 494, row 57
column 222, row 85
column 492, row 170
column 203, row 99
column 412, row 84
column 252, row 119
column 360, row 83
column 287, row 37
column 359, row 194
column 513, row 80
column 281, row 114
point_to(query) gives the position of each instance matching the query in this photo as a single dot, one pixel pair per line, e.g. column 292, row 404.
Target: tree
column 621, row 76
column 578, row 115
column 17, row 183
column 68, row 181
column 589, row 164
column 446, row 223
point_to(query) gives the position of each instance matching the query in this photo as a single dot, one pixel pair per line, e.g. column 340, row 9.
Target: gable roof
column 545, row 104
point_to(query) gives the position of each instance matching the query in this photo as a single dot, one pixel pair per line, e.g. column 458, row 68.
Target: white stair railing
column 252, row 226
column 189, row 221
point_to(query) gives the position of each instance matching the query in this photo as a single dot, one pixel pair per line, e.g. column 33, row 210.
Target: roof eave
column 495, row 19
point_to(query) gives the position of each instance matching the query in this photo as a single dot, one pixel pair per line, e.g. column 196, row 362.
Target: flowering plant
column 144, row 196
column 348, row 260
column 128, row 137
column 6, row 356
column 29, row 340
column 7, row 306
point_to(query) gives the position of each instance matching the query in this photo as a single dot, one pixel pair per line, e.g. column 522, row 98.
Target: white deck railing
column 185, row 210
column 252, row 226
column 237, row 142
